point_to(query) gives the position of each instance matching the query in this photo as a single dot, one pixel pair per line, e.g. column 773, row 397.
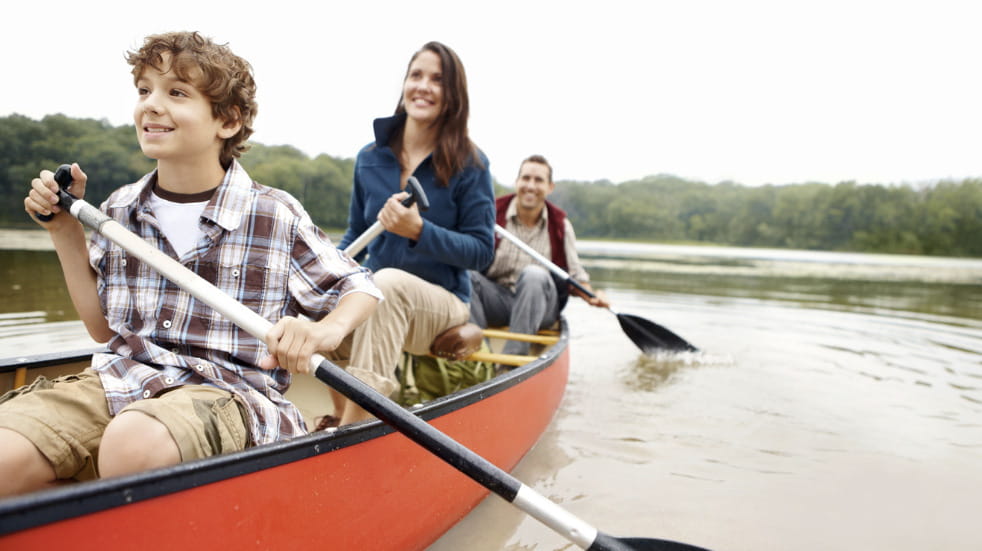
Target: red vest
column 555, row 226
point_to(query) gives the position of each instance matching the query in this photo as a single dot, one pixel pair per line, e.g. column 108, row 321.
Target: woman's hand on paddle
column 292, row 341
column 43, row 197
column 401, row 220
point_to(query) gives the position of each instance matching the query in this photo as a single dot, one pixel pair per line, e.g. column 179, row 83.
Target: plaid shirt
column 260, row 247
column 509, row 260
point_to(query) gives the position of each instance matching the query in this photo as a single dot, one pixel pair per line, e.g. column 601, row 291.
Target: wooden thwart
column 507, row 335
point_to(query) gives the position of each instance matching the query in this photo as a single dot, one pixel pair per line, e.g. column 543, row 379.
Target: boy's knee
column 134, row 441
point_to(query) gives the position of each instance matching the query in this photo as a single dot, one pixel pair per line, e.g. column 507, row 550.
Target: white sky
column 750, row 91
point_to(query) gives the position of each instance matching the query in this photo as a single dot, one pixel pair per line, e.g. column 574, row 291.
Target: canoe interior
column 359, row 487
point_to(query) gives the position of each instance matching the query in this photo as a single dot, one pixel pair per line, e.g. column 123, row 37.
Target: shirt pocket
column 260, row 287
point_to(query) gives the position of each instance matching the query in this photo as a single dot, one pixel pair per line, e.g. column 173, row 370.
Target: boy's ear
column 231, row 126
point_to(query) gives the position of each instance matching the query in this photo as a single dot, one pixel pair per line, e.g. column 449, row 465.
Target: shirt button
column 146, row 393
column 166, row 324
column 169, row 380
column 175, row 350
column 199, row 367
column 235, row 273
column 123, row 262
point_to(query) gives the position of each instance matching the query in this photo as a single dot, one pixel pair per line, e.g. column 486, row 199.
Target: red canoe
column 363, row 487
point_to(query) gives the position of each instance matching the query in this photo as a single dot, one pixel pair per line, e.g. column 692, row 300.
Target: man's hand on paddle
column 599, row 299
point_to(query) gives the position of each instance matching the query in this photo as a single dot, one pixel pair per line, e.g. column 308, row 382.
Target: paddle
column 416, row 195
column 647, row 335
column 419, row 431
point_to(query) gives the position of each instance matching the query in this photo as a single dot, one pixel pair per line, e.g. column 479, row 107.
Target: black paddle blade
column 605, row 542
column 651, row 337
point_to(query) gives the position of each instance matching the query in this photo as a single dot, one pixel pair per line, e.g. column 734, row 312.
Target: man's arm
column 577, row 272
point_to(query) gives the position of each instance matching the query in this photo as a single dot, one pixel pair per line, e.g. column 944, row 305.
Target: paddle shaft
column 456, row 455
column 543, row 260
column 647, row 335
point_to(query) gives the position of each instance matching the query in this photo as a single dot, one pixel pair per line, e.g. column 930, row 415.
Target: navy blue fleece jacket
column 458, row 229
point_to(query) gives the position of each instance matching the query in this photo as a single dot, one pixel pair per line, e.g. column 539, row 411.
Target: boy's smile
column 175, row 121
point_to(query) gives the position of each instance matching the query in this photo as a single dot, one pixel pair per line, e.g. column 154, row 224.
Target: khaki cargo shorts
column 65, row 418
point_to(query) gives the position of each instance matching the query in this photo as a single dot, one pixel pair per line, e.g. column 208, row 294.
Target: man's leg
column 490, row 303
column 534, row 307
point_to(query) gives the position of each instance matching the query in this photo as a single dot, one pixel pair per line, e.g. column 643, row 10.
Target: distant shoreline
column 14, row 239
column 25, row 240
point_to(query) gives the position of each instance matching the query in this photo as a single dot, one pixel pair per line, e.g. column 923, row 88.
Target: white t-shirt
column 178, row 220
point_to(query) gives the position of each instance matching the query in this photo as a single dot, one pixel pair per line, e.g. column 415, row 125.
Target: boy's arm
column 68, row 237
column 292, row 341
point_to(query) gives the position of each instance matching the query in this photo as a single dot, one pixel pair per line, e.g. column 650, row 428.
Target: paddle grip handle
column 416, row 195
column 64, row 178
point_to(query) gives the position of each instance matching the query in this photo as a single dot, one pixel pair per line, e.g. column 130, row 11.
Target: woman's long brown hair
column 454, row 149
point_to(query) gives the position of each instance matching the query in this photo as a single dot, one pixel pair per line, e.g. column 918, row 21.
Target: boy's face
column 174, row 120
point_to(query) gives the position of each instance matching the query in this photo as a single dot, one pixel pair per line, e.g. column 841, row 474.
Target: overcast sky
column 750, row 91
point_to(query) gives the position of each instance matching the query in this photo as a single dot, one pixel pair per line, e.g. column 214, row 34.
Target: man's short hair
column 536, row 159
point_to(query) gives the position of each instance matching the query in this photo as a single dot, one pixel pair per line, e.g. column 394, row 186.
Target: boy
column 181, row 382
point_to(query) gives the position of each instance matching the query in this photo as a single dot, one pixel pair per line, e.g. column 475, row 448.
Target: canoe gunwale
column 47, row 506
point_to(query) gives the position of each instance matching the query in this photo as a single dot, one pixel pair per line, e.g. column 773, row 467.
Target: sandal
column 327, row 422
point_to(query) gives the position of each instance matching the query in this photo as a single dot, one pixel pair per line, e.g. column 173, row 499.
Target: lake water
column 835, row 402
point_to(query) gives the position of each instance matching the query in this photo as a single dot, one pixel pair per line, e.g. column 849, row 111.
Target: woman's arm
column 470, row 243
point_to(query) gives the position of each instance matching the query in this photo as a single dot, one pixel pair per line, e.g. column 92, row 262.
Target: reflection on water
column 836, row 401
column 826, row 409
column 649, row 372
column 33, row 282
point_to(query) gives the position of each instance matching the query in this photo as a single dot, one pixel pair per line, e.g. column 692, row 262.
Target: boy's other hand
column 43, row 197
column 292, row 341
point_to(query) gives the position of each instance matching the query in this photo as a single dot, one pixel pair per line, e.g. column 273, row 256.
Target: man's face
column 533, row 185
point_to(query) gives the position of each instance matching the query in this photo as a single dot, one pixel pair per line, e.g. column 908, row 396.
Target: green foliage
column 111, row 157
column 943, row 219
column 940, row 219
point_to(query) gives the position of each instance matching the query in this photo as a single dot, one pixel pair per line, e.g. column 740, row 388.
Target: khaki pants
column 413, row 313
column 65, row 419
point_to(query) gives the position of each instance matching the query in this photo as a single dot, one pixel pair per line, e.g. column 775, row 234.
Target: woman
column 421, row 261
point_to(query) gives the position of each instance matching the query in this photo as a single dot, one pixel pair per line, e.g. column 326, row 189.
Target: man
column 516, row 290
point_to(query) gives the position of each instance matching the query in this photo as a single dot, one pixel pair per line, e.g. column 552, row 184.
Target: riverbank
column 25, row 240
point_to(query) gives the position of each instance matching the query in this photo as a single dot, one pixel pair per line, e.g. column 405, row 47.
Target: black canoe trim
column 47, row 506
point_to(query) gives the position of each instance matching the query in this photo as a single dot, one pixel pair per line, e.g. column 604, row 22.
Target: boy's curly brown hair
column 224, row 77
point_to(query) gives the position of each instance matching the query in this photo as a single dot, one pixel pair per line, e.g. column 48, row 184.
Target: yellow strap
column 540, row 339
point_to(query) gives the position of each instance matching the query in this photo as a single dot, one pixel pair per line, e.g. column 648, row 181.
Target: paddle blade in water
column 651, row 337
column 606, row 542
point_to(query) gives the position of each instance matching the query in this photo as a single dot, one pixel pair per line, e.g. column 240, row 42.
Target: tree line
column 943, row 218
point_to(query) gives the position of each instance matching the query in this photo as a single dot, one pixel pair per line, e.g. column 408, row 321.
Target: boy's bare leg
column 134, row 442
column 22, row 466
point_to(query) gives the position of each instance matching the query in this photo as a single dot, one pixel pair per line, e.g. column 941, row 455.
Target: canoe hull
column 360, row 488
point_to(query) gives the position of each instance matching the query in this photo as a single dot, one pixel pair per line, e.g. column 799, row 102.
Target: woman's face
column 422, row 92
